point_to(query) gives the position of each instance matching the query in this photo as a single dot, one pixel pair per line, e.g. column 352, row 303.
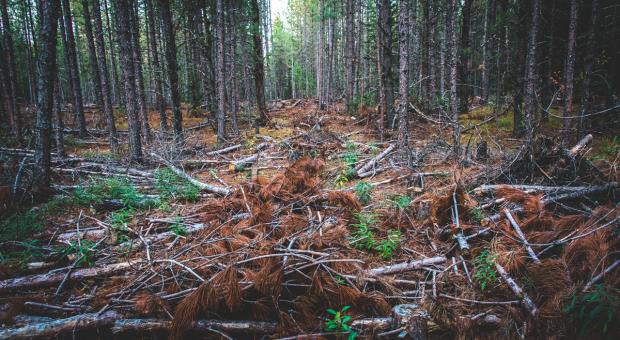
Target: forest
column 309, row 169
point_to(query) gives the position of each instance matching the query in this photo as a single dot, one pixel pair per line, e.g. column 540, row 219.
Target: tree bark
column 171, row 62
column 157, row 71
column 384, row 59
column 569, row 73
column 531, row 73
column 259, row 69
column 490, row 32
column 219, row 72
column 73, row 64
column 349, row 49
column 122, row 13
column 57, row 122
column 403, row 85
column 454, row 95
column 464, row 61
column 11, row 74
column 586, row 99
column 319, row 58
column 93, row 61
column 49, row 12
column 137, row 60
column 104, row 77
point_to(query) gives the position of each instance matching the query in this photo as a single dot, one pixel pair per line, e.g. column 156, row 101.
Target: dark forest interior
column 309, row 169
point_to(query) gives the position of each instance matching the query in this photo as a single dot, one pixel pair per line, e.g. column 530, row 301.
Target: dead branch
column 51, row 278
column 525, row 299
column 600, row 276
column 580, row 145
column 532, row 188
column 223, row 151
column 516, row 227
column 365, row 168
column 203, row 186
column 239, row 165
column 55, row 327
column 406, row 266
column 460, row 238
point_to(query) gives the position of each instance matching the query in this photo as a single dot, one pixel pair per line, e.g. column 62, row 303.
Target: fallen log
column 223, row 151
column 525, row 299
column 366, row 167
column 580, row 145
column 524, row 187
column 240, row 165
column 51, row 278
column 405, row 266
column 55, row 327
column 158, row 325
column 203, row 186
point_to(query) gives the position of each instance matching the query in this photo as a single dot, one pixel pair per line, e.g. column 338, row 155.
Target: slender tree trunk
column 137, row 59
column 548, row 89
column 47, row 65
column 531, row 77
column 93, row 62
column 259, row 69
column 57, row 122
column 569, row 74
column 403, row 72
column 464, row 63
column 586, row 99
column 489, row 49
column 232, row 51
column 219, row 72
column 73, row 64
column 349, row 50
column 157, row 71
column 122, row 13
column 209, row 67
column 453, row 55
column 11, row 75
column 171, row 62
column 104, row 77
column 116, row 88
column 429, row 17
column 319, row 58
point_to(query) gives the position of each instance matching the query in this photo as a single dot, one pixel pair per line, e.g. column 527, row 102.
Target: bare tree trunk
column 259, row 70
column 73, row 64
column 93, row 62
column 429, row 17
column 490, row 32
column 219, row 72
column 531, row 77
column 171, row 62
column 349, row 50
column 116, row 88
column 569, row 74
column 57, row 122
column 586, row 99
column 453, row 55
column 157, row 71
column 234, row 97
column 464, row 91
column 384, row 50
column 403, row 72
column 548, row 87
column 319, row 58
column 104, row 77
column 137, row 59
column 15, row 118
column 47, row 66
column 209, row 67
column 122, row 13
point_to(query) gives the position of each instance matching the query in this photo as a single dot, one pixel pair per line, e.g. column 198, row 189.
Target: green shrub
column 109, row 189
column 476, row 214
column 170, row 185
column 387, row 247
column 595, row 313
column 84, row 252
column 484, row 269
column 402, row 201
column 362, row 236
column 340, row 322
column 363, row 192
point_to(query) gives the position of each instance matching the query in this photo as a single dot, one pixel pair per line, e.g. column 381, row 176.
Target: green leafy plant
column 178, row 229
column 170, row 185
column 84, row 252
column 386, row 247
column 120, row 219
column 341, row 180
column 484, row 269
column 402, row 201
column 363, row 192
column 595, row 313
column 339, row 322
column 476, row 214
column 362, row 236
column 99, row 190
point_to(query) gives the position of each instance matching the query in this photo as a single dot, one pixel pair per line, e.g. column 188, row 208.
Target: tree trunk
column 429, row 17
column 259, row 69
column 93, row 62
column 319, row 58
column 464, row 62
column 47, row 66
column 116, row 88
column 122, row 13
column 171, row 62
column 57, row 122
column 219, row 72
column 104, row 77
column 586, row 99
column 403, row 73
column 349, row 50
column 531, row 75
column 73, row 64
column 384, row 59
column 137, row 60
column 157, row 71
column 490, row 32
column 453, row 54
column 548, row 87
column 10, row 76
column 569, row 74
column 232, row 62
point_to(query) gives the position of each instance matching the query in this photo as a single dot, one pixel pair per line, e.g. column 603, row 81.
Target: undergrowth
column 99, row 190
column 363, row 192
column 401, row 202
column 362, row 236
column 171, row 186
column 386, row 247
column 84, row 252
column 339, row 322
column 484, row 269
column 595, row 314
column 476, row 214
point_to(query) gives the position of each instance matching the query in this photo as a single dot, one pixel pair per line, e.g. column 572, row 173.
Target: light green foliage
column 27, row 251
column 402, row 201
column 476, row 214
column 363, row 192
column 99, row 190
column 362, row 236
column 368, row 99
column 73, row 141
column 339, row 322
column 595, row 314
column 120, row 219
column 484, row 269
column 178, row 228
column 84, row 252
column 171, row 186
column 505, row 122
column 349, row 158
column 386, row 247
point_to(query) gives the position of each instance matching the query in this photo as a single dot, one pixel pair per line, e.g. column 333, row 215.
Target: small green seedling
column 84, row 252
column 402, row 201
column 362, row 236
column 178, row 229
column 484, row 267
column 387, row 247
column 340, row 322
column 363, row 192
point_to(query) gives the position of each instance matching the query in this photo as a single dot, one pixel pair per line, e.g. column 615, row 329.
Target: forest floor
column 315, row 227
